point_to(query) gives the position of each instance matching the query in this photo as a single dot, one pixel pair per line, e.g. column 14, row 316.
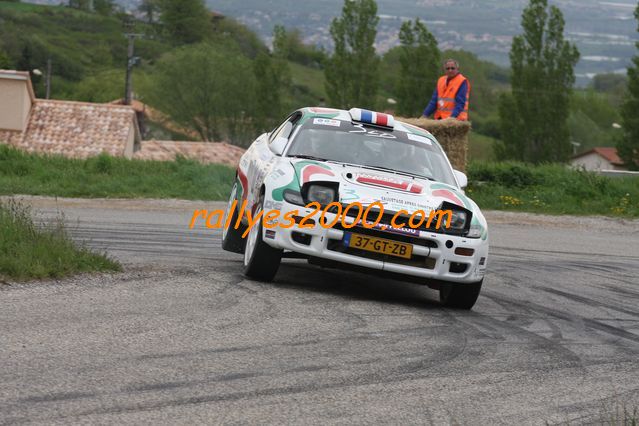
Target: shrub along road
column 181, row 336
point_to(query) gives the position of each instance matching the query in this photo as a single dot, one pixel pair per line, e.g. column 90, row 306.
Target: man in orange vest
column 450, row 99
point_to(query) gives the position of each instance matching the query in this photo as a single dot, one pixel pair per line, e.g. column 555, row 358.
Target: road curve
column 182, row 337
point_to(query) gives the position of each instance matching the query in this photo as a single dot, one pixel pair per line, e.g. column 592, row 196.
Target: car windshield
column 366, row 146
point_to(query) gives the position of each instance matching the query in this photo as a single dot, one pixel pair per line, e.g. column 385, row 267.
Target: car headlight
column 474, row 231
column 294, row 197
column 321, row 194
column 458, row 220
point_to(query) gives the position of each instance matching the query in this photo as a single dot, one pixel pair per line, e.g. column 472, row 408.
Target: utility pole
column 129, row 68
column 48, row 80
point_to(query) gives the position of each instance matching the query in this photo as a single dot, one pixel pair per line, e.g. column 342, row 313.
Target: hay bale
column 452, row 135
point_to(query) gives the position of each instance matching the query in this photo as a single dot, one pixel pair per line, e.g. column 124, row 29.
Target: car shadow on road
column 354, row 285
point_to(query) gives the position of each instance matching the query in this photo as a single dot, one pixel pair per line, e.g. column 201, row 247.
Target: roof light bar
column 372, row 117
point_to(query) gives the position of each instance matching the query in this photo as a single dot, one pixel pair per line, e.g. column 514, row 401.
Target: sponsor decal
column 268, row 204
column 389, row 182
column 314, row 169
column 463, row 200
column 293, row 185
column 403, row 231
column 449, row 195
column 372, row 132
column 276, row 174
column 404, row 203
column 243, row 182
column 349, row 194
column 327, row 122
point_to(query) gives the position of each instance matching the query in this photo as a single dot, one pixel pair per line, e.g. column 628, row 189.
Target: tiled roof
column 77, row 129
column 609, row 153
column 205, row 152
column 11, row 137
column 159, row 117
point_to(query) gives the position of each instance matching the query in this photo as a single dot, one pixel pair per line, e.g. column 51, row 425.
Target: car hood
column 394, row 191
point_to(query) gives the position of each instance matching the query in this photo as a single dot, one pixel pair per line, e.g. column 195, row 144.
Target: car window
column 388, row 149
column 286, row 128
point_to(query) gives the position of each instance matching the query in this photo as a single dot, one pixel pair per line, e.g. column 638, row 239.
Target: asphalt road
column 182, row 337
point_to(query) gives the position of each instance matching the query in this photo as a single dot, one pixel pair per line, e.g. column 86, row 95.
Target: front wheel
column 261, row 261
column 459, row 296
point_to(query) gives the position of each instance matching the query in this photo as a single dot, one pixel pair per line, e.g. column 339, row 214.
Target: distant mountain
column 604, row 31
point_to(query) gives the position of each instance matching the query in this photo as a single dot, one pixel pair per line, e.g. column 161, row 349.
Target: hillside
column 88, row 53
column 603, row 31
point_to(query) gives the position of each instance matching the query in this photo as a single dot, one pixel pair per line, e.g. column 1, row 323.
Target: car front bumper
column 433, row 255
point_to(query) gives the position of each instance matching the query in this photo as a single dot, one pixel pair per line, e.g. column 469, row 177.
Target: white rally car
column 335, row 159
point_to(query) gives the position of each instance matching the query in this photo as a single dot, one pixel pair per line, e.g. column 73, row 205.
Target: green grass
column 553, row 189
column 111, row 177
column 312, row 78
column 307, row 86
column 28, row 252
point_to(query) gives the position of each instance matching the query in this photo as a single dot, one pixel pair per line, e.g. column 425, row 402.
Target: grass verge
column 111, row 177
column 28, row 252
column 553, row 189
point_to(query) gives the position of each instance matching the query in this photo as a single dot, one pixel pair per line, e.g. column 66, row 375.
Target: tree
column 5, row 61
column 281, row 42
column 207, row 88
column 79, row 4
column 149, row 8
column 104, row 7
column 289, row 45
column 534, row 117
column 419, row 60
column 272, row 76
column 351, row 72
column 628, row 145
column 185, row 20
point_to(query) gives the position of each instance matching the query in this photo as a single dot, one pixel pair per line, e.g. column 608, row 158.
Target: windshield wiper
column 398, row 172
column 308, row 157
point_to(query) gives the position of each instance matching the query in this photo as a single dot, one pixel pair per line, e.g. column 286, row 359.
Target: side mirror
column 278, row 145
column 462, row 180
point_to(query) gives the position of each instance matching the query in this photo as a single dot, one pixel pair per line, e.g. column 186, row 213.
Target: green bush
column 509, row 174
column 551, row 188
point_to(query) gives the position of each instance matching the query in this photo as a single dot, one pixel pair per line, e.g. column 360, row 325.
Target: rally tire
column 459, row 296
column 261, row 261
column 232, row 238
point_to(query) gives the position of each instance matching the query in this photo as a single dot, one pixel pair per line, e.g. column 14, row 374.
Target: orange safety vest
column 446, row 97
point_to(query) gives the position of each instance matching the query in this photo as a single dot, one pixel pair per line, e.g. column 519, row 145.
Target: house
column 81, row 129
column 597, row 159
column 72, row 129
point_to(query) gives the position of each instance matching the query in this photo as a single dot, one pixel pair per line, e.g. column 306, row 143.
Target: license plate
column 378, row 245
